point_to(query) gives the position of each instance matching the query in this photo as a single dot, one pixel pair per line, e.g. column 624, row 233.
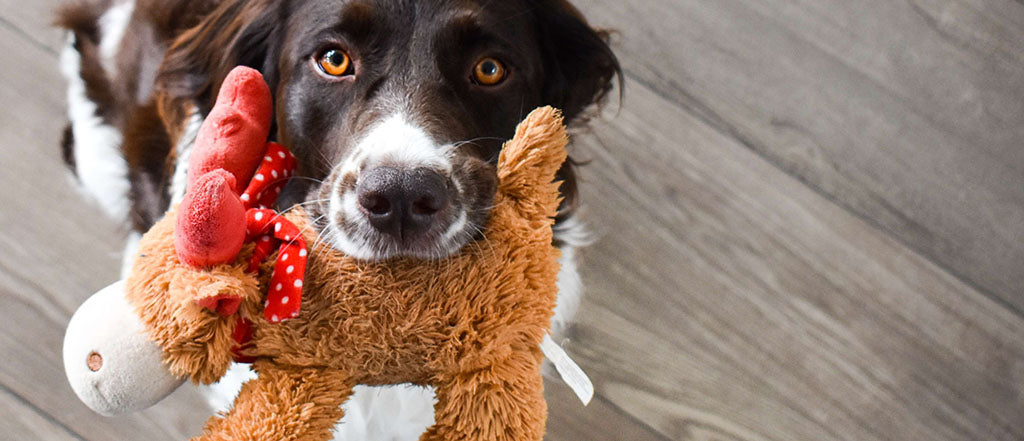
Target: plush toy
column 224, row 278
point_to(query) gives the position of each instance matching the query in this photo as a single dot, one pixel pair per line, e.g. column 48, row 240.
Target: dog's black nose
column 402, row 203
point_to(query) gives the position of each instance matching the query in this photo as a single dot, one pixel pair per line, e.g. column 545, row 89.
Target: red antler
column 211, row 226
column 234, row 135
column 213, row 222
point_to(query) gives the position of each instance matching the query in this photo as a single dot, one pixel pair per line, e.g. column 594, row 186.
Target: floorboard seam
column 631, row 417
column 35, row 42
column 705, row 114
column 46, row 295
column 42, row 414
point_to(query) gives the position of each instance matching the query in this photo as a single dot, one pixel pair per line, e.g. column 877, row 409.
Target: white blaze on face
column 398, row 142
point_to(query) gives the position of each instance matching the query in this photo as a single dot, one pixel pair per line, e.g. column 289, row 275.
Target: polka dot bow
column 270, row 230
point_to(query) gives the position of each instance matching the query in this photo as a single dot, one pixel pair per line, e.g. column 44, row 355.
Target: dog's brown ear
column 237, row 32
column 579, row 65
column 579, row 70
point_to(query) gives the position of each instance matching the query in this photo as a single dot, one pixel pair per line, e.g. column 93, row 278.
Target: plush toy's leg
column 504, row 402
column 283, row 405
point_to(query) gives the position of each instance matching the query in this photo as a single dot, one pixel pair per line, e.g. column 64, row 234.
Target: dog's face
column 397, row 109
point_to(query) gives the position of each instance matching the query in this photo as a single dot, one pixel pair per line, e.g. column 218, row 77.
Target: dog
column 395, row 109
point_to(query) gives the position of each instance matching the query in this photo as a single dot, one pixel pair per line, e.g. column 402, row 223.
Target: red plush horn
column 210, row 228
column 234, row 135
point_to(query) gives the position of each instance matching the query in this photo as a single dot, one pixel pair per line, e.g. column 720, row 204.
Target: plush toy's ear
column 110, row 362
column 528, row 163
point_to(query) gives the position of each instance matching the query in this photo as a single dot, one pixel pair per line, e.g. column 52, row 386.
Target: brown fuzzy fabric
column 470, row 325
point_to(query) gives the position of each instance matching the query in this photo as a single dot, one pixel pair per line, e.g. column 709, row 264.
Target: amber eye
column 335, row 62
column 489, row 72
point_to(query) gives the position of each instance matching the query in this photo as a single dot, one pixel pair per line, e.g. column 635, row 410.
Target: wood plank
column 33, row 20
column 727, row 300
column 21, row 421
column 58, row 250
column 911, row 114
column 569, row 420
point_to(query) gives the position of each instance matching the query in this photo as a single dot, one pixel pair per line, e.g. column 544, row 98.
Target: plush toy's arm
column 295, row 404
column 504, row 402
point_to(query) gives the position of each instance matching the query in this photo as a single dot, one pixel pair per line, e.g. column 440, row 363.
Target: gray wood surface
column 907, row 113
column 809, row 219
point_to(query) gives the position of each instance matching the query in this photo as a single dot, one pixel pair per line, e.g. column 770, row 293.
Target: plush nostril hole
column 94, row 361
column 375, row 204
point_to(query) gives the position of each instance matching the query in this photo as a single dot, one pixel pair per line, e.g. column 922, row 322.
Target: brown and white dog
column 395, row 109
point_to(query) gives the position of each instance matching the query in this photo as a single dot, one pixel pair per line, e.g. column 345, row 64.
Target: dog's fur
column 142, row 75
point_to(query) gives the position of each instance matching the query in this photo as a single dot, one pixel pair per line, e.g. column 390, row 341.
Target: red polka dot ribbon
column 284, row 296
column 275, row 169
column 270, row 230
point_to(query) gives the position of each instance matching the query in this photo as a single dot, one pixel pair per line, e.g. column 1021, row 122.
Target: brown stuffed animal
column 470, row 325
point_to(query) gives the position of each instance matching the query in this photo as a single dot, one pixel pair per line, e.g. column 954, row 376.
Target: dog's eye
column 335, row 62
column 489, row 72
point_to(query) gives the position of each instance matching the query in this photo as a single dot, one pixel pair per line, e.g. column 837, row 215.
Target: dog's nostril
column 375, row 204
column 426, row 206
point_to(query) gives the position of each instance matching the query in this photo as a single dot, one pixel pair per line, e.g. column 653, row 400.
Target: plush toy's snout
column 111, row 364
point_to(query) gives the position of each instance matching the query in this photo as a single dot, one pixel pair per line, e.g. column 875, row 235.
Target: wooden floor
column 809, row 213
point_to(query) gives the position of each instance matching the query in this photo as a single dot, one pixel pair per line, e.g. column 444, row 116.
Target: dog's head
column 397, row 109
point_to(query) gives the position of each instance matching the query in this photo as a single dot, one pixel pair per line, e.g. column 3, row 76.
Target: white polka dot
column 295, row 313
column 290, row 269
column 277, row 227
column 284, row 300
column 287, row 237
column 298, row 283
column 259, row 176
column 273, row 173
column 302, row 252
column 281, row 154
column 284, row 257
column 278, row 287
column 266, row 238
column 245, row 197
column 258, row 215
column 274, row 318
column 268, row 158
column 266, row 303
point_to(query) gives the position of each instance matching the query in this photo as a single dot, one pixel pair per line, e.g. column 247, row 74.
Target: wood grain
column 21, row 422
column 908, row 113
column 33, row 21
column 728, row 300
